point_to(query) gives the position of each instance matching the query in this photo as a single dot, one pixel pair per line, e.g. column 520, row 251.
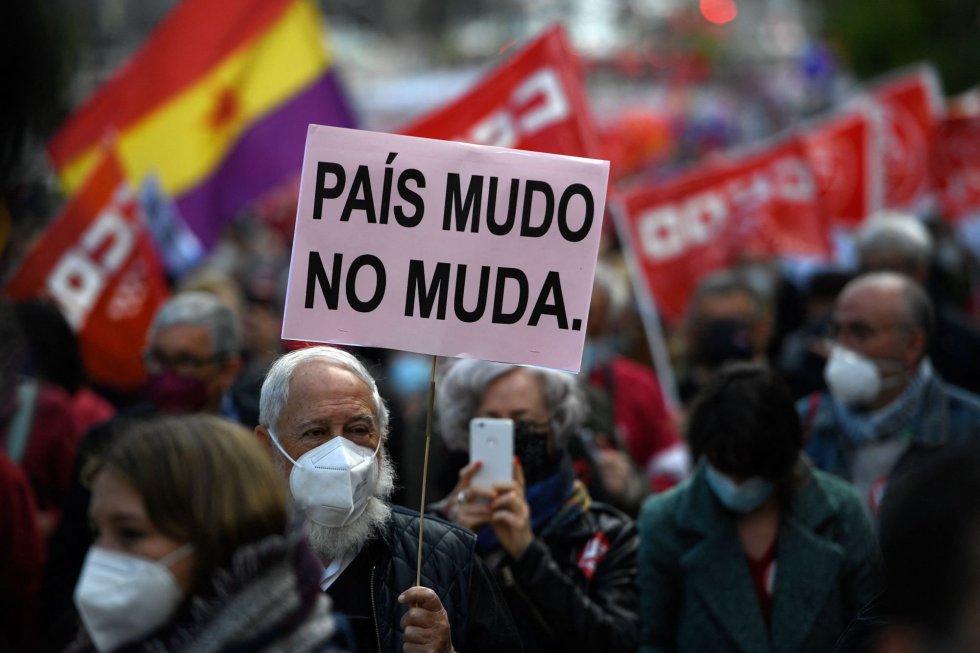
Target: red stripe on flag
column 194, row 38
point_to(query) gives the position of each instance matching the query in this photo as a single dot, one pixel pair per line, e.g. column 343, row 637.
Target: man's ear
column 917, row 347
column 262, row 433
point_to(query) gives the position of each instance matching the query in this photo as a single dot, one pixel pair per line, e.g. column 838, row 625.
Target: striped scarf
column 888, row 422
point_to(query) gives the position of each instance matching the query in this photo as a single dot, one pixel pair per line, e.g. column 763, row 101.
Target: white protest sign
column 444, row 248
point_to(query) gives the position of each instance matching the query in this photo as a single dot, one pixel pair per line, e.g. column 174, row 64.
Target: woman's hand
column 469, row 506
column 511, row 516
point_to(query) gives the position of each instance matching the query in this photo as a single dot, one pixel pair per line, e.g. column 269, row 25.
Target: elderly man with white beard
column 321, row 413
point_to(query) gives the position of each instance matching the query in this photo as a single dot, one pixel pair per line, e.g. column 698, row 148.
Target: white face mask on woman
column 334, row 481
column 121, row 596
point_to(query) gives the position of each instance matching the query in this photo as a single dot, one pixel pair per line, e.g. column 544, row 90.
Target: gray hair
column 461, row 391
column 203, row 309
column 893, row 231
column 919, row 308
column 275, row 388
column 722, row 283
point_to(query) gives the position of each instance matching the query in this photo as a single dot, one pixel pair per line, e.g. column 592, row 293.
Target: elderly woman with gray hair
column 567, row 564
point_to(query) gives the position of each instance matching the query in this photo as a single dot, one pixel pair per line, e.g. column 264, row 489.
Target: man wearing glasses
column 192, row 355
column 886, row 409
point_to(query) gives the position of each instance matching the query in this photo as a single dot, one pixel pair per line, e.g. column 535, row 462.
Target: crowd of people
column 807, row 486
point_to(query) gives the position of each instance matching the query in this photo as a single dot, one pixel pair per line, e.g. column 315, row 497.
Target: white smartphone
column 492, row 443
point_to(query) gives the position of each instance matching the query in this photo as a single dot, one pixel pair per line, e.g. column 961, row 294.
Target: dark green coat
column 695, row 586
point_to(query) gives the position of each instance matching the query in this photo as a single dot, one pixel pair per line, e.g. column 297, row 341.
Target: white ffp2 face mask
column 334, row 481
column 853, row 379
column 121, row 597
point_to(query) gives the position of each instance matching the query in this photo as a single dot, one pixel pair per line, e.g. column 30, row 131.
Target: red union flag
column 98, row 264
column 846, row 154
column 534, row 101
column 913, row 104
column 760, row 205
column 957, row 166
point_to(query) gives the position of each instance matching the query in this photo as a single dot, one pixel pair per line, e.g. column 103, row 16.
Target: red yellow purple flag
column 215, row 104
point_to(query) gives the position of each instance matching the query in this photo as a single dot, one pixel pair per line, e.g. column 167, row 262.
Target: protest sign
column 444, row 248
column 912, row 101
column 846, row 152
column 98, row 264
column 534, row 101
column 758, row 205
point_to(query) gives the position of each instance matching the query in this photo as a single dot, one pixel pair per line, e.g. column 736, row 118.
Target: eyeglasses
column 532, row 428
column 861, row 331
column 156, row 359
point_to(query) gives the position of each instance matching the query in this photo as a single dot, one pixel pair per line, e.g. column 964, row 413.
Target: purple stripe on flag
column 269, row 153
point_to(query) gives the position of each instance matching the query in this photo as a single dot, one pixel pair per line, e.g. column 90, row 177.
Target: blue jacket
column 947, row 415
column 696, row 592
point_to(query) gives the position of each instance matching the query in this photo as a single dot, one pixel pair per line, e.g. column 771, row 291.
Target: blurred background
column 685, row 76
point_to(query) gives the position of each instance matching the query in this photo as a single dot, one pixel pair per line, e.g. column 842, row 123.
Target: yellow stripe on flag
column 185, row 139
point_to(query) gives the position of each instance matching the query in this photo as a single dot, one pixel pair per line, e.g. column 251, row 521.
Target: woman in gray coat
column 757, row 551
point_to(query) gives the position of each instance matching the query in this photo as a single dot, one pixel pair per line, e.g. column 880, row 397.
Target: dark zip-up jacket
column 368, row 590
column 575, row 588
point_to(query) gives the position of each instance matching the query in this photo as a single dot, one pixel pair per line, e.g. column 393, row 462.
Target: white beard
column 334, row 542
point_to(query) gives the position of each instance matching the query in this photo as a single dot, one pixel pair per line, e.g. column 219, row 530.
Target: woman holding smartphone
column 566, row 563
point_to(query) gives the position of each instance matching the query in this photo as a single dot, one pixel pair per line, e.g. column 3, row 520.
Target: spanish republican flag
column 216, row 105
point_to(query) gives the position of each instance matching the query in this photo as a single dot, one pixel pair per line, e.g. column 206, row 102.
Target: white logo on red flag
column 762, row 205
column 534, row 101
column 96, row 262
column 847, row 158
column 912, row 104
column 957, row 166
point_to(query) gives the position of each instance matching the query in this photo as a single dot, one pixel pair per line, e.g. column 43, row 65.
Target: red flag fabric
column 97, row 262
column 846, row 153
column 534, row 101
column 637, row 138
column 760, row 205
column 912, row 102
column 957, row 166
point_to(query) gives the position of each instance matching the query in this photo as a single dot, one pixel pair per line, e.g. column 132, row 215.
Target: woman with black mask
column 566, row 563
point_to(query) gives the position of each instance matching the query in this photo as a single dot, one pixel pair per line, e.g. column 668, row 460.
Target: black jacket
column 367, row 591
column 556, row 605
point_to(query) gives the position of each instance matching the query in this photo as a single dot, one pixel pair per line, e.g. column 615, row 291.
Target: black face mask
column 531, row 447
column 723, row 340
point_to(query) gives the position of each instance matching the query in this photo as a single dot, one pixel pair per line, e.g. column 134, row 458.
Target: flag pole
column 425, row 467
column 648, row 313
